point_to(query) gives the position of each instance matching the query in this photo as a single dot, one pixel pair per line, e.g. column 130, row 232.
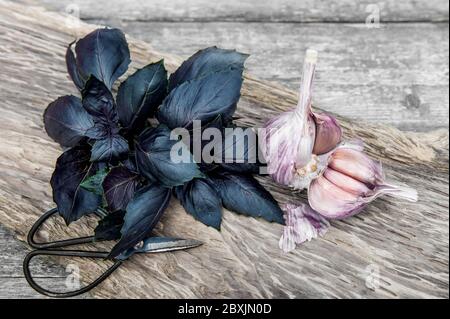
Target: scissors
column 149, row 245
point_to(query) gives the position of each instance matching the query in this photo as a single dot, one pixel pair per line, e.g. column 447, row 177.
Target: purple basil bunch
column 117, row 160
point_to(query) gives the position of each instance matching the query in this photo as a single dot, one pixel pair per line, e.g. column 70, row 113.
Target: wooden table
column 395, row 73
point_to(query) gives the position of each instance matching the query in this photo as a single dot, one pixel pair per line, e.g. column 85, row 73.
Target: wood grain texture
column 251, row 10
column 396, row 75
column 12, row 281
column 407, row 242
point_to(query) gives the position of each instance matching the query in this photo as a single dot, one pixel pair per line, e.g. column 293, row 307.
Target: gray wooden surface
column 12, row 282
column 396, row 74
column 302, row 11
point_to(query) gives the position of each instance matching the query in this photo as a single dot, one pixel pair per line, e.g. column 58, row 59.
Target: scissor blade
column 165, row 244
column 160, row 245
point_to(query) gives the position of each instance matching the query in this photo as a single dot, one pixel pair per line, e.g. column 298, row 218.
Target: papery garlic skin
column 350, row 182
column 302, row 224
column 303, row 116
column 288, row 140
column 282, row 149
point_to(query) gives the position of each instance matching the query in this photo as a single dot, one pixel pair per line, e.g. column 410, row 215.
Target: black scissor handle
column 59, row 243
column 66, row 253
column 51, row 249
column 54, row 249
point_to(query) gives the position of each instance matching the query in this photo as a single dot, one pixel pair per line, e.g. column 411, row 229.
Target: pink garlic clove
column 351, row 181
column 328, row 133
column 356, row 164
column 330, row 201
column 345, row 182
column 333, row 190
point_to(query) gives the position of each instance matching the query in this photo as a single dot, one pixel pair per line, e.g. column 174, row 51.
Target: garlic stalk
column 291, row 141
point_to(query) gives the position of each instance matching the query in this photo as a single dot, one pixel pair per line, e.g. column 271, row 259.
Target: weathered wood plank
column 252, row 10
column 396, row 75
column 407, row 242
column 18, row 288
column 12, row 257
column 12, row 281
column 15, row 288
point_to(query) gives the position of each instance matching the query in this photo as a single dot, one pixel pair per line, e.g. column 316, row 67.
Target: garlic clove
column 350, row 182
column 345, row 182
column 331, row 201
column 328, row 133
column 357, row 165
column 334, row 190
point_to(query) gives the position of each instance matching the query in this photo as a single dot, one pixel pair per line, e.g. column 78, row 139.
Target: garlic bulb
column 291, row 141
column 303, row 149
column 350, row 182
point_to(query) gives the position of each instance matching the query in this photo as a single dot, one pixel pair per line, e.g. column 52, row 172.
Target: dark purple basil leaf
column 130, row 163
column 197, row 132
column 237, row 151
column 99, row 101
column 142, row 214
column 72, row 67
column 206, row 168
column 113, row 147
column 201, row 200
column 101, row 130
column 66, row 121
column 154, row 161
column 207, row 61
column 119, row 187
column 202, row 99
column 140, row 95
column 242, row 168
column 72, row 167
column 109, row 227
column 104, row 54
column 244, row 195
column 216, row 123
